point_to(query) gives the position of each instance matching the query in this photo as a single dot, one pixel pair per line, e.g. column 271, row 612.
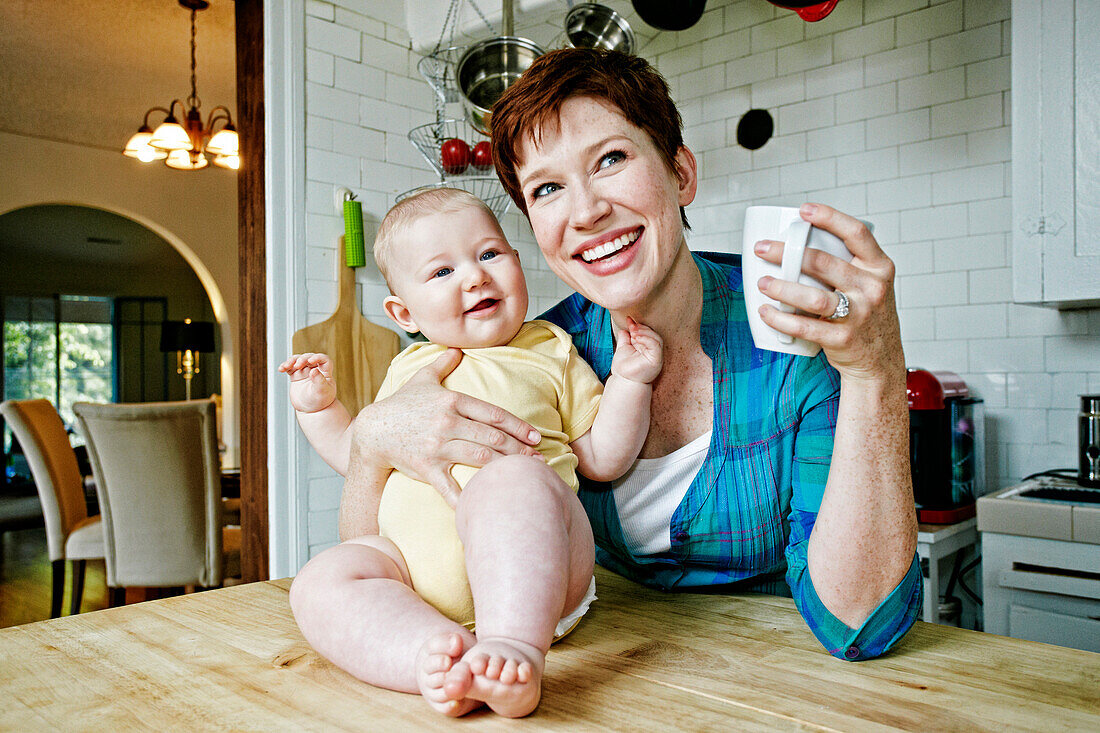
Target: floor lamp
column 188, row 339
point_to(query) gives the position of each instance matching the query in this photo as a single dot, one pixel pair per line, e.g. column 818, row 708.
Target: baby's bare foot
column 505, row 673
column 435, row 660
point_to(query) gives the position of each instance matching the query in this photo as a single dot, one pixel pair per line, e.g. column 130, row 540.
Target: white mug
column 784, row 224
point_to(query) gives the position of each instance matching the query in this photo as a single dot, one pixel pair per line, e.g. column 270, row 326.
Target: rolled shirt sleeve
column 810, row 472
column 878, row 633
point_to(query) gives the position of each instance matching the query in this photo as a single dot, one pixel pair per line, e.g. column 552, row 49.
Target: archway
column 64, row 247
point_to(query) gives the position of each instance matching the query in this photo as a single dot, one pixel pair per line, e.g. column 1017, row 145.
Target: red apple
column 483, row 156
column 455, row 155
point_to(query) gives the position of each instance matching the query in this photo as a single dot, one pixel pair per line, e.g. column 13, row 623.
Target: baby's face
column 458, row 281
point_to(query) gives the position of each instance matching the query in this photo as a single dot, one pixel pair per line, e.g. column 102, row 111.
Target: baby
column 517, row 547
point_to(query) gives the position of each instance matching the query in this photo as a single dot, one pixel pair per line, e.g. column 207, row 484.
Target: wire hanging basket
column 486, row 188
column 429, row 139
column 438, row 69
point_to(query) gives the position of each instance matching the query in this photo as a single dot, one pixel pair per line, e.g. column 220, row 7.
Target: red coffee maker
column 946, row 446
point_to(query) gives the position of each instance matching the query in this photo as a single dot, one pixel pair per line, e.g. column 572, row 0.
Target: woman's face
column 604, row 206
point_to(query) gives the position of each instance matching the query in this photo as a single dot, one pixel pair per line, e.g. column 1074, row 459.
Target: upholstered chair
column 159, row 486
column 70, row 533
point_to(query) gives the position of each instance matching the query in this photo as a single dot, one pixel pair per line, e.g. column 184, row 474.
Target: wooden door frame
column 252, row 278
column 271, row 104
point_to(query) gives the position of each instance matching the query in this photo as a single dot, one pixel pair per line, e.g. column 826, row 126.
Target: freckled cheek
column 548, row 239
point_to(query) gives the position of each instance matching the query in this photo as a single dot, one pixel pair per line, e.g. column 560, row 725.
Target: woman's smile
column 608, row 246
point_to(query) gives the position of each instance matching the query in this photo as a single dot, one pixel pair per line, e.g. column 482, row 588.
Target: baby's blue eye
column 611, row 158
column 443, row 272
column 485, row 256
column 545, row 189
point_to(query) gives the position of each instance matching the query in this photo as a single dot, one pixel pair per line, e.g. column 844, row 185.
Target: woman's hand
column 423, row 429
column 865, row 344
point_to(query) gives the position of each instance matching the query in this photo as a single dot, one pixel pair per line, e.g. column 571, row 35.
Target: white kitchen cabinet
column 1056, row 152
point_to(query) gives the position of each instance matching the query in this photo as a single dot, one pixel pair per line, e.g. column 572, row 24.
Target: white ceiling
column 70, row 236
column 85, row 71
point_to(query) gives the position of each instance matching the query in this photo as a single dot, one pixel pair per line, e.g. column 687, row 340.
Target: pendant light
column 184, row 142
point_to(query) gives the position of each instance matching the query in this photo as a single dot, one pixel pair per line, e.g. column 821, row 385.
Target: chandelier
column 184, row 142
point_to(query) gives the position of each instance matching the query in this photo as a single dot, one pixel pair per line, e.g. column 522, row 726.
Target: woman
column 795, row 465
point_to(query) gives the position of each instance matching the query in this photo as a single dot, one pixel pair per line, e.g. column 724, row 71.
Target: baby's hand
column 638, row 355
column 312, row 388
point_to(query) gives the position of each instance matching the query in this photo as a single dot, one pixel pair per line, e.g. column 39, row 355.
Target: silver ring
column 841, row 307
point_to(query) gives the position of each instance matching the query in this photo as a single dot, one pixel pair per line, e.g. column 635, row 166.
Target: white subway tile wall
column 896, row 111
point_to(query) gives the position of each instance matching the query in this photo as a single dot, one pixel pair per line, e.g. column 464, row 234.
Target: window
column 60, row 349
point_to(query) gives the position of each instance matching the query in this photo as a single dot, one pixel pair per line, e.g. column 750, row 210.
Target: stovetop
column 1047, row 507
column 1078, row 495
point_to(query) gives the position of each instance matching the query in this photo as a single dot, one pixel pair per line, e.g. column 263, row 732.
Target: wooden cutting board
column 361, row 351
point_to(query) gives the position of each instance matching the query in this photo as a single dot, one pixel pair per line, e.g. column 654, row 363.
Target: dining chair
column 70, row 533
column 159, row 486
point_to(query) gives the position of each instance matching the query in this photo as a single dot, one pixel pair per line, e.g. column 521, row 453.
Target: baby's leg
column 529, row 557
column 355, row 605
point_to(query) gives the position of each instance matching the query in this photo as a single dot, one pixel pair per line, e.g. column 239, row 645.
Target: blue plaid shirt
column 745, row 521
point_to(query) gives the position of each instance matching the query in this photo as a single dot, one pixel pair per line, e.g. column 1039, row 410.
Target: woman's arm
column 865, row 535
column 361, row 496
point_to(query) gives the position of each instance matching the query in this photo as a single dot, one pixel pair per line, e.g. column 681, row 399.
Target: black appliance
column 946, row 446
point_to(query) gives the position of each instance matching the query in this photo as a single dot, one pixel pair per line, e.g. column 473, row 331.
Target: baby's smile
column 483, row 307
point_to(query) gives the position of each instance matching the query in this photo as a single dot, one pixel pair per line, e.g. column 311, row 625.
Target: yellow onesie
column 538, row 377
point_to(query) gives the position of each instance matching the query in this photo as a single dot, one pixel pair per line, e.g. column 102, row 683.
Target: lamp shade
column 139, row 147
column 232, row 162
column 170, row 135
column 184, row 336
column 224, row 142
column 186, row 160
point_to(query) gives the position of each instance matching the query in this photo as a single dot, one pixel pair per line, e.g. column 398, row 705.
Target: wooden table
column 232, row 659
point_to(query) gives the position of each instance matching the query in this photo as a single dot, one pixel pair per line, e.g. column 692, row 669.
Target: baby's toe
column 457, row 681
column 494, row 667
column 478, row 662
column 433, row 687
column 439, row 644
column 509, row 672
column 437, row 663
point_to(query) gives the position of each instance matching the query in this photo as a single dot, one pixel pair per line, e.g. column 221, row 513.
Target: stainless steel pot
column 487, row 69
column 591, row 25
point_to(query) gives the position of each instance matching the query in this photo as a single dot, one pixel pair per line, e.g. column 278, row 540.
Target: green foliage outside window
column 34, row 360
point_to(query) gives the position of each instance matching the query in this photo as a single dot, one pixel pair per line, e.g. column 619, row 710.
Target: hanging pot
column 666, row 15
column 811, row 12
column 591, row 25
column 487, row 69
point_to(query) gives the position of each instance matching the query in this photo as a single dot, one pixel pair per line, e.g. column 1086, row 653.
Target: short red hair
column 628, row 82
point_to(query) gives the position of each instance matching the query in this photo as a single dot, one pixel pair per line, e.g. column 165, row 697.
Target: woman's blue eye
column 443, row 272
column 485, row 256
column 611, row 158
column 544, row 189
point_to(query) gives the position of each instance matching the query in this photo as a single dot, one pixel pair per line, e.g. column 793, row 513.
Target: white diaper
column 570, row 621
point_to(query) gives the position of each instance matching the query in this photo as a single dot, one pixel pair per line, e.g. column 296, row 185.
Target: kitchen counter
column 1040, row 556
column 233, row 659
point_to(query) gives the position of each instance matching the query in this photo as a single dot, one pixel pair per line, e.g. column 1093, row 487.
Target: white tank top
column 647, row 495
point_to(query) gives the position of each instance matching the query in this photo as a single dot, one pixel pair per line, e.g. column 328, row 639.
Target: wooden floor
column 25, row 580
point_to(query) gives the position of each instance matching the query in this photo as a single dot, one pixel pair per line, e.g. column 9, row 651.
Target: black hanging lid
column 670, row 15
